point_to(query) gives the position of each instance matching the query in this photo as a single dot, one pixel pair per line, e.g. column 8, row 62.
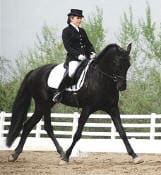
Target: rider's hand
column 93, row 55
column 81, row 57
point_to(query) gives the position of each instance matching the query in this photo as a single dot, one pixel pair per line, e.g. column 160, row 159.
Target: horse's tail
column 19, row 111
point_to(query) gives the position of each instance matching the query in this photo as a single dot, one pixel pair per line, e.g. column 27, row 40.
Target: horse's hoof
column 11, row 158
column 137, row 160
column 62, row 155
column 62, row 162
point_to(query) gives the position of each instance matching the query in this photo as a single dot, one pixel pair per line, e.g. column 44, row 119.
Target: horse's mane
column 104, row 51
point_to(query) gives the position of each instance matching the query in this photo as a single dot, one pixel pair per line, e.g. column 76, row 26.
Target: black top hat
column 75, row 12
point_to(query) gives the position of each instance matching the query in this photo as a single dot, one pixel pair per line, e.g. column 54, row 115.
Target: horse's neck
column 104, row 68
column 98, row 75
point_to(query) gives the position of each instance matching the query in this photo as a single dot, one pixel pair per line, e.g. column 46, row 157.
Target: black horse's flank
column 105, row 78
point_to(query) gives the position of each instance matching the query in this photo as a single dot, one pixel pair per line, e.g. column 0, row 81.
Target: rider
column 78, row 48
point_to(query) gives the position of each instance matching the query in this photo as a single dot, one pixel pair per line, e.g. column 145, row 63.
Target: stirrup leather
column 56, row 96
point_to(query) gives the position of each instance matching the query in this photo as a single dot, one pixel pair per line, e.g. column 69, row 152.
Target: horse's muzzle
column 121, row 85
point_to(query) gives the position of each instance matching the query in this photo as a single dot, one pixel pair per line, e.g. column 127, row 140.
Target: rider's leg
column 63, row 85
column 66, row 82
column 73, row 65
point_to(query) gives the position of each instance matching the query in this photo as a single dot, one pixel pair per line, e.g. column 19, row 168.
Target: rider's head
column 75, row 16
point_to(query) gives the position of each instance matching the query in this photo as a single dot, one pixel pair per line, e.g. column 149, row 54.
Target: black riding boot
column 66, row 82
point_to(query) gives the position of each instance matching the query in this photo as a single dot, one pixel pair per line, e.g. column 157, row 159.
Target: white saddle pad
column 56, row 76
column 57, row 73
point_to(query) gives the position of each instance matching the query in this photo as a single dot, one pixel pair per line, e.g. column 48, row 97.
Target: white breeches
column 73, row 65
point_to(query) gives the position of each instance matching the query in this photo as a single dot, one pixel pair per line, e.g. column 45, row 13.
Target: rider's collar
column 76, row 27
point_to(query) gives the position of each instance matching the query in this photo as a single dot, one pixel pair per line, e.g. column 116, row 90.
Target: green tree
column 143, row 93
column 4, row 77
column 47, row 50
column 94, row 28
column 152, row 38
column 4, row 73
column 129, row 33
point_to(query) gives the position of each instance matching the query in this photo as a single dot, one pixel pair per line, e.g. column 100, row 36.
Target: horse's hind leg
column 49, row 129
column 28, row 126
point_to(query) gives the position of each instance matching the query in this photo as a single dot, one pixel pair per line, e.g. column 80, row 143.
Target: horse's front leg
column 115, row 115
column 81, row 122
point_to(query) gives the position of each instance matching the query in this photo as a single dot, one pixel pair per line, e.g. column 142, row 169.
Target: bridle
column 114, row 77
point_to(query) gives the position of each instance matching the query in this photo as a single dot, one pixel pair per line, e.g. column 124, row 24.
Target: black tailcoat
column 76, row 43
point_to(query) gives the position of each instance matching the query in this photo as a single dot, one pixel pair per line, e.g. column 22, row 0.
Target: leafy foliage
column 47, row 50
column 94, row 27
column 143, row 94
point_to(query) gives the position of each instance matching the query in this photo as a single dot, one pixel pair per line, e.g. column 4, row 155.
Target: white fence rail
column 99, row 134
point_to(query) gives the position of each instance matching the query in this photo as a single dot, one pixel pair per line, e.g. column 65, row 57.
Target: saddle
column 57, row 74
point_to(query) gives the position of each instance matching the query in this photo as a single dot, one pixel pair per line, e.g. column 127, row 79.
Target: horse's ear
column 129, row 48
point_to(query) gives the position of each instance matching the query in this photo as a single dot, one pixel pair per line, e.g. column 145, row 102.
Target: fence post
column 152, row 126
column 38, row 129
column 75, row 123
column 2, row 119
column 113, row 130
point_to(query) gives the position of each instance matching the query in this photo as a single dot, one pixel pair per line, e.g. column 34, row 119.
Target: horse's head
column 114, row 62
column 121, row 65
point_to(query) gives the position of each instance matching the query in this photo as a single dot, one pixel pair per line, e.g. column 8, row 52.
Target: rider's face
column 76, row 20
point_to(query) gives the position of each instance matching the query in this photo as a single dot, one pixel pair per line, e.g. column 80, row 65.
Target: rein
column 114, row 77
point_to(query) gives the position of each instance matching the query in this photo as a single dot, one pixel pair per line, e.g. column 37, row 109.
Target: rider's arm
column 88, row 44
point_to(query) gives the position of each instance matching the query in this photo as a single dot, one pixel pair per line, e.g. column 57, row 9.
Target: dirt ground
column 47, row 163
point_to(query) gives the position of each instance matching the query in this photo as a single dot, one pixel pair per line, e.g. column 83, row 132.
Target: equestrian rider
column 78, row 48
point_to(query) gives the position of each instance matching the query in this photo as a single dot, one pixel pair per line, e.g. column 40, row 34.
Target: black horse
column 105, row 78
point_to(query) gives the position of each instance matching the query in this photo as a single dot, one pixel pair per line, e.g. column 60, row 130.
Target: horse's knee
column 77, row 136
